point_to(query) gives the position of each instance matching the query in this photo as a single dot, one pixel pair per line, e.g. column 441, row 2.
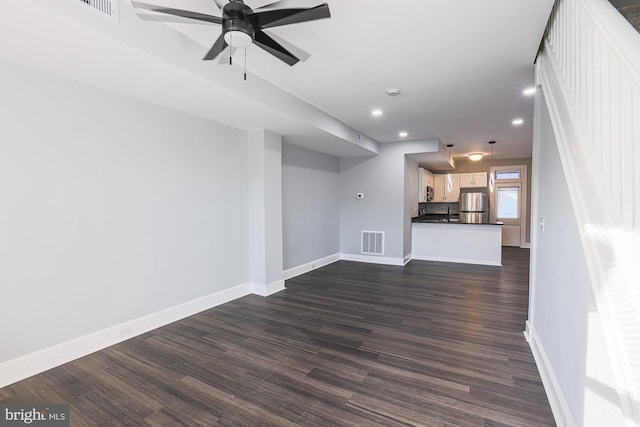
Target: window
column 508, row 202
column 500, row 175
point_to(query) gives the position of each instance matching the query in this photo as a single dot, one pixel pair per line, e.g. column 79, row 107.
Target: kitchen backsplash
column 438, row 208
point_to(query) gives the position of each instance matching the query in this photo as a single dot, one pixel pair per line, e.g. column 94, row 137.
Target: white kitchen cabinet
column 473, row 180
column 441, row 191
column 428, row 178
column 453, row 195
column 422, row 196
column 425, row 179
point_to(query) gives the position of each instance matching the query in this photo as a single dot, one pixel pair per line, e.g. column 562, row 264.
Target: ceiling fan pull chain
column 245, row 64
column 231, row 46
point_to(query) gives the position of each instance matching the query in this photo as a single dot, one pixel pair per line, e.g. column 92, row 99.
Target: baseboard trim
column 39, row 361
column 557, row 401
column 373, row 259
column 310, row 266
column 266, row 290
column 459, row 260
column 526, row 245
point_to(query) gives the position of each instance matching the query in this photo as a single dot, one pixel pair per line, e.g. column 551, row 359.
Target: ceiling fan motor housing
column 234, row 18
column 242, row 26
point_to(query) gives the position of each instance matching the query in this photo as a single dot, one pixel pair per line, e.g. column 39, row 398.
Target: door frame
column 523, row 196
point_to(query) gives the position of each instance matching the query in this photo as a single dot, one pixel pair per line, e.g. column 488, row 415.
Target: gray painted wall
column 382, row 179
column 112, row 209
column 310, row 205
column 563, row 312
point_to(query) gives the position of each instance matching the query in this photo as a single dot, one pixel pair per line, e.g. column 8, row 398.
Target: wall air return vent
column 105, row 8
column 373, row 242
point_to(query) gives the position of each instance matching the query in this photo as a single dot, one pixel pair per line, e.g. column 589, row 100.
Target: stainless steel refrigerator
column 474, row 208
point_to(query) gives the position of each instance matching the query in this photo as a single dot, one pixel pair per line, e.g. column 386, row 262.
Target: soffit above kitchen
column 460, row 68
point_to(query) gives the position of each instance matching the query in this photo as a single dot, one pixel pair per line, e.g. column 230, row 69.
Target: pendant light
column 449, row 181
column 492, row 181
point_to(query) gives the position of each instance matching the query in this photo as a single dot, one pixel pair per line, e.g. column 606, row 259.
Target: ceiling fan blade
column 277, row 17
column 289, row 4
column 177, row 12
column 216, row 49
column 296, row 51
column 264, row 41
column 170, row 19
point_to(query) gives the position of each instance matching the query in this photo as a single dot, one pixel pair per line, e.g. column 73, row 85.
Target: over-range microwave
column 429, row 192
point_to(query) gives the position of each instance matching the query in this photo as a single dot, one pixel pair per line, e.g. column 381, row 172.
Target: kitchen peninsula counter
column 445, row 220
column 437, row 240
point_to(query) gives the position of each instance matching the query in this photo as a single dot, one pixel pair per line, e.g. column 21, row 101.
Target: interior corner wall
column 310, row 205
column 382, row 181
column 411, row 184
column 113, row 208
column 265, row 210
column 563, row 317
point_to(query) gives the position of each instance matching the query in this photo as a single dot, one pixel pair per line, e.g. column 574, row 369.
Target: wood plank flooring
column 350, row 344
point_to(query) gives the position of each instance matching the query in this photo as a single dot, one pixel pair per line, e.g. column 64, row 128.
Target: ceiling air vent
column 106, row 8
column 373, row 242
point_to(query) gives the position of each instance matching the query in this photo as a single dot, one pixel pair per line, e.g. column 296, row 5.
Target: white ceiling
column 460, row 65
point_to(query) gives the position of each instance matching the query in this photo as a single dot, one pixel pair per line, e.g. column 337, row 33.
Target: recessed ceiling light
column 403, row 134
column 376, row 113
column 517, row 122
column 529, row 91
column 475, row 156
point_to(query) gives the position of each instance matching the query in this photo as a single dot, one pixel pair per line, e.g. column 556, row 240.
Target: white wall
column 310, row 209
column 383, row 181
column 112, row 208
column 563, row 319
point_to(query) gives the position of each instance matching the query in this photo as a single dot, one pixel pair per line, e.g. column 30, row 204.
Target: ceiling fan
column 242, row 26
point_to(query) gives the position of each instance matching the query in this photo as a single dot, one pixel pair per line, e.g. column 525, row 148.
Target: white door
column 508, row 209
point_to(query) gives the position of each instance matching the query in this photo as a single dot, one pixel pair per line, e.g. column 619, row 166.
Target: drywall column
column 265, row 212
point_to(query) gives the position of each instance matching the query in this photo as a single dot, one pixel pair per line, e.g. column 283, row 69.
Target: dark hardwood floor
column 350, row 344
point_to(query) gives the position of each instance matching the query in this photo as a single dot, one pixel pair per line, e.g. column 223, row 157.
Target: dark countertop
column 446, row 219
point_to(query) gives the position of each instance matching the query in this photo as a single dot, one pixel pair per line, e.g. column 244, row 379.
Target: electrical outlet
column 541, row 223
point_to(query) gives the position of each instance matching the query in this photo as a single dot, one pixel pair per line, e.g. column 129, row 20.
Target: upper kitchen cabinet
column 428, row 178
column 446, row 188
column 425, row 179
column 473, row 180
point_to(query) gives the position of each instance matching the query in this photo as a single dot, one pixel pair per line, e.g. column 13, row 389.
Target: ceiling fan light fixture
column 475, row 156
column 238, row 39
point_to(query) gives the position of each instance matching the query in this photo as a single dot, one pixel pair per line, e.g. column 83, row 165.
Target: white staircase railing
column 590, row 68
